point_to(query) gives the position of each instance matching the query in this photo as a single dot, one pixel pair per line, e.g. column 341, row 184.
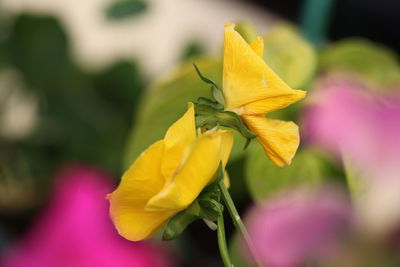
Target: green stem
column 223, row 248
column 237, row 221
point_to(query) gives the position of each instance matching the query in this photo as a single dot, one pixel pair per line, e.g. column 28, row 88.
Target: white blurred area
column 156, row 38
column 18, row 107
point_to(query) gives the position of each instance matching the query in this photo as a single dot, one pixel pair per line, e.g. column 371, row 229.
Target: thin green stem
column 237, row 221
column 223, row 248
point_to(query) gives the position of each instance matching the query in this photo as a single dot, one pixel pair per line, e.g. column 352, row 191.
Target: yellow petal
column 197, row 172
column 246, row 77
column 227, row 180
column 280, row 139
column 225, row 147
column 139, row 183
column 179, row 136
column 272, row 103
column 258, row 46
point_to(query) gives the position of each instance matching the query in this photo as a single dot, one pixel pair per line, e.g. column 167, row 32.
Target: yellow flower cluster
column 172, row 172
column 167, row 177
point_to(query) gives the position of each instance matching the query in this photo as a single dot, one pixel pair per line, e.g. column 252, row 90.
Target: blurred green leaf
column 264, row 178
column 290, row 55
column 192, row 50
column 237, row 251
column 372, row 61
column 247, row 31
column 84, row 117
column 123, row 9
column 165, row 102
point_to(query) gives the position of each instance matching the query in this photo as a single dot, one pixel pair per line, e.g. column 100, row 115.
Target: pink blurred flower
column 363, row 127
column 75, row 229
column 346, row 117
column 299, row 226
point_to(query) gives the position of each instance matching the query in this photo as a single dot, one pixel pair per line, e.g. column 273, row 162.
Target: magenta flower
column 75, row 229
column 299, row 226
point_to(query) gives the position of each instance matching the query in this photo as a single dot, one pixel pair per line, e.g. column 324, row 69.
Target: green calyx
column 210, row 114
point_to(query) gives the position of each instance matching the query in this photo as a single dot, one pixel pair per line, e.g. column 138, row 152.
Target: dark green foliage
column 124, row 9
column 83, row 117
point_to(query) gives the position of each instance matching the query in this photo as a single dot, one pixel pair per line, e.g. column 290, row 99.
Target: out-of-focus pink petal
column 363, row 127
column 300, row 225
column 75, row 229
column 346, row 117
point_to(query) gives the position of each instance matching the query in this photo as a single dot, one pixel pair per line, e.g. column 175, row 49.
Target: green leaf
column 247, row 31
column 373, row 62
column 290, row 55
column 238, row 251
column 165, row 102
column 192, row 50
column 263, row 178
column 123, row 9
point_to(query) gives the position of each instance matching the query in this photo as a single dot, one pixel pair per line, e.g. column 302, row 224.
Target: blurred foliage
column 166, row 101
column 247, row 31
column 290, row 55
column 83, row 116
column 192, row 50
column 373, row 62
column 237, row 251
column 124, row 9
column 264, row 178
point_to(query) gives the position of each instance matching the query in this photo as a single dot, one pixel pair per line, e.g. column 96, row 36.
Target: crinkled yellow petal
column 258, row 46
column 198, row 171
column 272, row 103
column 139, row 183
column 178, row 137
column 246, row 77
column 280, row 139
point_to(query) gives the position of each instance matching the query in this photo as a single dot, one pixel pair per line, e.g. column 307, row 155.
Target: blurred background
column 86, row 86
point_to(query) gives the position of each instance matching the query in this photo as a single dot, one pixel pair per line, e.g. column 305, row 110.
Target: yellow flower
column 252, row 89
column 167, row 177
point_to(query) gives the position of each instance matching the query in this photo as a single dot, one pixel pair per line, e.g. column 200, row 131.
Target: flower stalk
column 223, row 248
column 237, row 221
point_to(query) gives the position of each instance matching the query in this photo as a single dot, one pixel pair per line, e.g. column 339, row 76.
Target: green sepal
column 209, row 115
column 218, row 96
column 209, row 102
column 210, row 209
column 204, row 78
column 178, row 224
column 248, row 140
column 215, row 90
